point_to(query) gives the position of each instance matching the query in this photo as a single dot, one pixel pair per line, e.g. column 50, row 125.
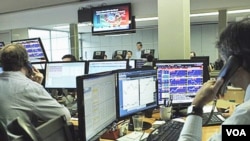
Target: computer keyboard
column 216, row 119
column 169, row 131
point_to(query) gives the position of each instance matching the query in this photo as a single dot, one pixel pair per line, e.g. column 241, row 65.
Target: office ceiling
column 196, row 6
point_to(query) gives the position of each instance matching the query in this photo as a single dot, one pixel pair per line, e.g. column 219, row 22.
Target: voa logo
column 236, row 132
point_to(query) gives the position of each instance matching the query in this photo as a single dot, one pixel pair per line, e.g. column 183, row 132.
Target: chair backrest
column 18, row 129
column 3, row 132
column 55, row 130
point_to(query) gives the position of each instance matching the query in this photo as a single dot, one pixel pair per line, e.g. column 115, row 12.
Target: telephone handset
column 29, row 68
column 233, row 63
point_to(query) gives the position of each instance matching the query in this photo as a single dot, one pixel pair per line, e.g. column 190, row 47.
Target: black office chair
column 3, row 132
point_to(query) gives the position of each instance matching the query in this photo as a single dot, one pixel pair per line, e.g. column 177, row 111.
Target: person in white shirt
column 233, row 41
column 138, row 51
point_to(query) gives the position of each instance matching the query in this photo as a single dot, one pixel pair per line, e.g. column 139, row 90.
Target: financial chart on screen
column 180, row 79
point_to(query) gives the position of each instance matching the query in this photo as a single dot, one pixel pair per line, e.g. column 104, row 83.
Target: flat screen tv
column 112, row 19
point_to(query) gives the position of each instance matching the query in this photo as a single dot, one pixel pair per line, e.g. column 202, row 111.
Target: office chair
column 19, row 130
column 3, row 132
column 57, row 129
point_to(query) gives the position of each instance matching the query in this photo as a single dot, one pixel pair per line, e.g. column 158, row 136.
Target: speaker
column 84, row 15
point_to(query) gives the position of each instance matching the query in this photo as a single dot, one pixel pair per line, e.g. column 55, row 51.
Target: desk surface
column 206, row 131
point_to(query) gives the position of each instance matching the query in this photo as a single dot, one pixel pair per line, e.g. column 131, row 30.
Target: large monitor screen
column 111, row 18
column 35, row 49
column 136, row 91
column 179, row 80
column 96, row 98
column 95, row 66
column 63, row 74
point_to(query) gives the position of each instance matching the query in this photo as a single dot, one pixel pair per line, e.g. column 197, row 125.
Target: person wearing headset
column 21, row 94
column 233, row 41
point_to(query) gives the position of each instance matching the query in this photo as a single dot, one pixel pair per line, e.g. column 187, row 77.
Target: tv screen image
column 34, row 48
column 111, row 18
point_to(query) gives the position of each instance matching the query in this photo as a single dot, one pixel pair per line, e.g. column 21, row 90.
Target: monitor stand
column 146, row 125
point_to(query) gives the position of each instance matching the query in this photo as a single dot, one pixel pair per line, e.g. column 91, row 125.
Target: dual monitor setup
column 110, row 96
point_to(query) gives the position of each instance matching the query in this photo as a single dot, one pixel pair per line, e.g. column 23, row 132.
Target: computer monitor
column 122, row 53
column 178, row 81
column 146, row 52
column 140, row 62
column 63, row 74
column 95, row 66
column 96, row 98
column 206, row 63
column 35, row 49
column 136, row 91
column 98, row 54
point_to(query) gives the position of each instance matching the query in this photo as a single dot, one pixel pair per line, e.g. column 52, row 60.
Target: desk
column 206, row 131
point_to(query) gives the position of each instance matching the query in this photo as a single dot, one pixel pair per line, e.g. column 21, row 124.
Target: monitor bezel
column 40, row 43
column 119, row 117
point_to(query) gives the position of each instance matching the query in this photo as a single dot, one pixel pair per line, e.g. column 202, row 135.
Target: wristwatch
column 193, row 110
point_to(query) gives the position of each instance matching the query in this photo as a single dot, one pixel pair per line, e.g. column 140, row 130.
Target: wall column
column 74, row 42
column 222, row 18
column 174, row 29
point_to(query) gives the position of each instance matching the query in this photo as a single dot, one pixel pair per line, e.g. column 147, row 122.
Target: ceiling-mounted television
column 112, row 19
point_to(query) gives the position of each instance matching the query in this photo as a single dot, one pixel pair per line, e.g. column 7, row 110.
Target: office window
column 56, row 43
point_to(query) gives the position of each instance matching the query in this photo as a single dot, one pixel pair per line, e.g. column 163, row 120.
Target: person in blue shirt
column 234, row 40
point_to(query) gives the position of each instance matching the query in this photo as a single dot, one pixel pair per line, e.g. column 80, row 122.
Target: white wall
column 203, row 39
